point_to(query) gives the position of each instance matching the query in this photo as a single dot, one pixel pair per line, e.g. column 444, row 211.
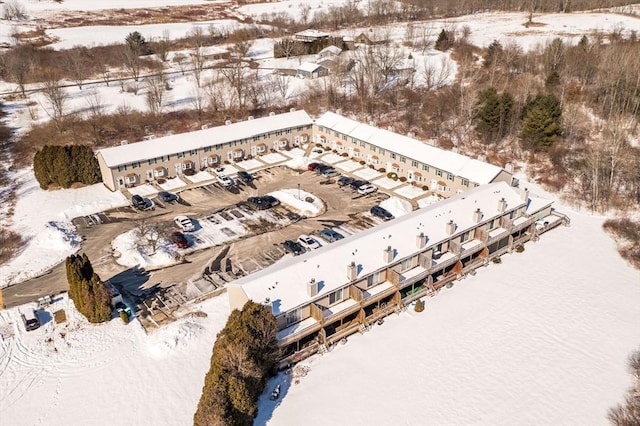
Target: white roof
column 458, row 164
column 308, row 67
column 331, row 49
column 284, row 283
column 312, row 33
column 173, row 144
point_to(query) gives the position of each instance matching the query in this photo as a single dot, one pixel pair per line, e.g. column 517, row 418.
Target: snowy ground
column 396, row 206
column 303, row 202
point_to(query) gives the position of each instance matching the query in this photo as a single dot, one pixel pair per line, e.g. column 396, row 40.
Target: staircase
column 323, row 349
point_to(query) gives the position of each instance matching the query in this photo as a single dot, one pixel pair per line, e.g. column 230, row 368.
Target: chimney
column 508, row 167
column 421, row 240
column 450, row 227
column 226, row 123
column 271, row 114
column 312, row 288
column 250, row 117
column 502, row 205
column 482, row 158
column 525, row 194
column 292, row 110
column 477, row 216
column 352, row 271
column 388, row 254
column 390, row 128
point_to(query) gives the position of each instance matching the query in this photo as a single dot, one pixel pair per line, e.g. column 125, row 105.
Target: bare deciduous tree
column 149, row 234
column 13, row 10
column 76, row 61
column 56, row 97
column 197, row 52
column 156, row 87
column 235, row 73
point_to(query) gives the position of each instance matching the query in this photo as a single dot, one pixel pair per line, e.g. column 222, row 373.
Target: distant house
column 329, row 52
column 311, row 70
column 370, row 38
column 309, row 36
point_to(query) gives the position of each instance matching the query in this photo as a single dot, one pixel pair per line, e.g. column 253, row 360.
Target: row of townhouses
column 444, row 172
column 327, row 294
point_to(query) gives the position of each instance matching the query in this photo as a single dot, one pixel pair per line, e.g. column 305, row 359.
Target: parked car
column 167, row 197
column 312, row 166
column 357, row 184
column 138, row 202
column 308, row 242
column 30, row 319
column 270, row 200
column 179, row 239
column 330, row 172
column 345, row 180
column 293, row 247
column 245, row 176
column 184, row 223
column 264, row 202
column 321, row 168
column 367, row 189
column 330, row 235
column 225, row 180
column 381, row 212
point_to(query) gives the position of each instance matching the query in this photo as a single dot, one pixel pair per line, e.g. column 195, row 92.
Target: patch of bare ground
column 626, row 233
column 10, row 245
column 159, row 15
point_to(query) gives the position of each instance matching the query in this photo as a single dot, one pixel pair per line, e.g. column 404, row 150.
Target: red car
column 312, row 166
column 179, row 239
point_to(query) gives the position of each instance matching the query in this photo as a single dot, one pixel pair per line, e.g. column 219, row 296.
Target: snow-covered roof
column 460, row 165
column 214, row 136
column 309, row 67
column 312, row 33
column 284, row 283
column 330, row 49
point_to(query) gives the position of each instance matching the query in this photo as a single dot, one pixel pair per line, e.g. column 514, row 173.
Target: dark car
column 293, row 247
column 345, row 180
column 245, row 176
column 167, row 197
column 264, row 202
column 331, row 235
column 357, row 184
column 138, row 202
column 270, row 200
column 381, row 212
column 179, row 239
column 321, row 168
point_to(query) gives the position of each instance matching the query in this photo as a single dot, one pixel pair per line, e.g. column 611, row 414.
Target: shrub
column 419, row 306
column 344, row 154
column 161, row 181
column 124, row 317
column 326, row 148
column 519, row 248
column 245, row 355
column 425, row 188
column 403, row 179
column 88, row 292
column 64, row 165
column 496, row 260
column 382, row 170
column 362, row 162
column 319, row 145
column 189, row 172
column 392, row 175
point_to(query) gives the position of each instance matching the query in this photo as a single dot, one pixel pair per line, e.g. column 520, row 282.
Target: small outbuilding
column 311, row 70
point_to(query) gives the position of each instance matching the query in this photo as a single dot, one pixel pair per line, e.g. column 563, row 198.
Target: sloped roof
column 309, row 67
column 460, row 165
column 154, row 148
column 331, row 49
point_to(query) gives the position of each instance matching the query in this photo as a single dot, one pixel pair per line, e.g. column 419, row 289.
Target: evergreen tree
column 445, row 40
column 541, row 122
column 494, row 114
column 493, row 53
column 245, row 355
column 88, row 292
column 64, row 165
column 137, row 44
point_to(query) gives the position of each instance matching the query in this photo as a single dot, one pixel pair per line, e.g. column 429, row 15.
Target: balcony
column 497, row 234
column 340, row 310
column 378, row 292
column 444, row 260
column 412, row 275
column 297, row 331
column 471, row 247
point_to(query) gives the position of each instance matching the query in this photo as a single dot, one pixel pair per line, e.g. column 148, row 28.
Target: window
column 335, row 297
column 406, row 264
column 450, row 177
column 465, row 182
column 414, row 163
column 256, row 138
column 152, row 161
column 167, row 158
column 279, row 133
column 293, row 316
column 383, row 152
column 425, row 167
column 362, row 144
column 299, row 129
column 512, row 215
column 193, row 152
column 344, row 137
column 207, row 149
column 374, row 279
column 439, row 173
column 403, row 159
column 122, row 168
column 465, row 236
column 335, row 133
column 491, row 224
column 135, row 165
column 288, row 131
column 265, row 136
column 180, row 154
column 393, row 155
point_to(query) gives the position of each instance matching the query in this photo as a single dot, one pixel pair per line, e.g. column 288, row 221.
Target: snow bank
column 130, row 251
column 303, row 202
column 397, row 206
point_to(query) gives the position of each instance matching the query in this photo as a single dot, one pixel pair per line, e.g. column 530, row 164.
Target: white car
column 367, row 189
column 308, row 242
column 184, row 223
column 225, row 180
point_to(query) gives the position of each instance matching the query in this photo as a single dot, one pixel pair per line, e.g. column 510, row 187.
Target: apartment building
column 135, row 163
column 342, row 288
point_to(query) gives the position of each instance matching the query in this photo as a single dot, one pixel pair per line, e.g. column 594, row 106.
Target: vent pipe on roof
column 352, row 271
column 502, row 205
column 390, row 128
column 411, row 134
column 292, row 109
column 508, row 167
column 421, row 240
column 482, row 158
column 525, row 194
column 271, row 114
column 450, row 227
column 250, row 117
column 388, row 254
column 339, row 111
column 312, row 288
column 477, row 216
column 226, row 123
